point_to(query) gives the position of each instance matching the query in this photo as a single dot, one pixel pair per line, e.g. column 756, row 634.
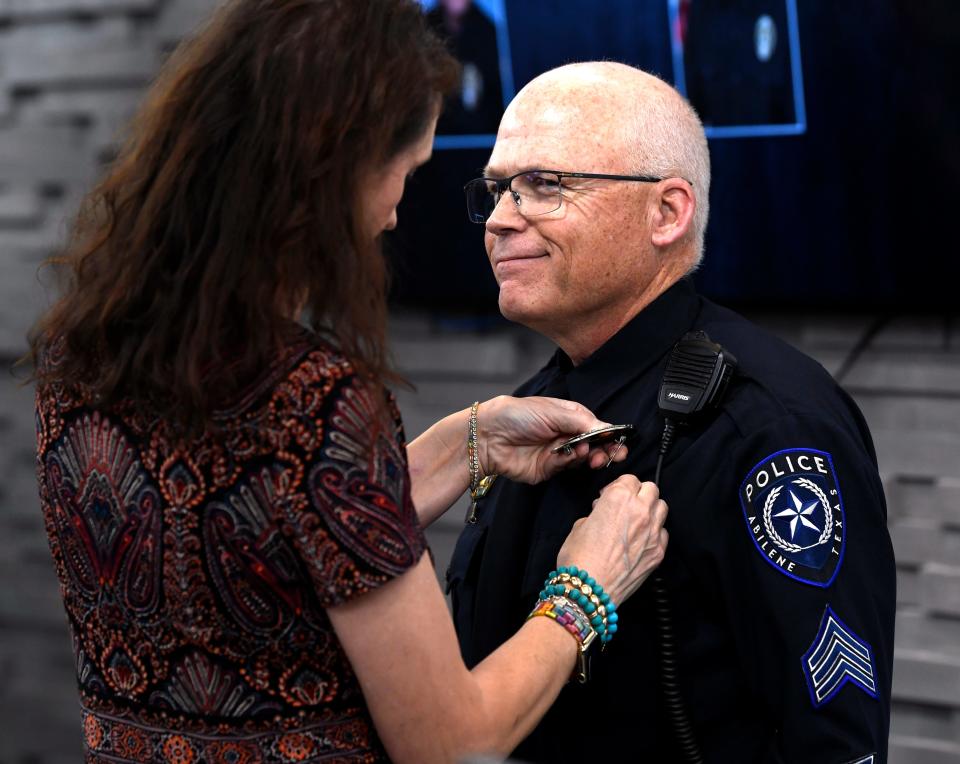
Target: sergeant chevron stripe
column 837, row 656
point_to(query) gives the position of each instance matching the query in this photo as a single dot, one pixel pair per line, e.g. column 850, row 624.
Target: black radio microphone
column 698, row 372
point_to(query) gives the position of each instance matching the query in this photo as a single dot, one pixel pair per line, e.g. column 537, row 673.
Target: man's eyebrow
column 489, row 172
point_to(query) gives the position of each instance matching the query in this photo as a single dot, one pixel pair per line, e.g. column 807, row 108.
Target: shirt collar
column 640, row 344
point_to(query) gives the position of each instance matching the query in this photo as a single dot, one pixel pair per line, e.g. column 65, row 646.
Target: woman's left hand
column 516, row 436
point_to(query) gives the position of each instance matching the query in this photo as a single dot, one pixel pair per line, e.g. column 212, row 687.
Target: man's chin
column 520, row 311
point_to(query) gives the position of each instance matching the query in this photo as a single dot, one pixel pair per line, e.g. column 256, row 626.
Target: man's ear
column 674, row 216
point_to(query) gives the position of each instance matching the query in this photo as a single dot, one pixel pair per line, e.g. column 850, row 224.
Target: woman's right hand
column 413, row 675
column 622, row 540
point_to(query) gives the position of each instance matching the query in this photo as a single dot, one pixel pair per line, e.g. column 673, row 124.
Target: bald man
column 770, row 635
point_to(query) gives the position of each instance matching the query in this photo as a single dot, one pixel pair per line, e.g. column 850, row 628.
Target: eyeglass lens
column 535, row 193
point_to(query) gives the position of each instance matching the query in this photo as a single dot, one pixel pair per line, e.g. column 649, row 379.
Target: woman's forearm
column 428, row 708
column 438, row 466
column 519, row 682
column 400, row 640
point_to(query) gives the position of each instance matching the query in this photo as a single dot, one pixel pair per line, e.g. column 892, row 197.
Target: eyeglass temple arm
column 604, row 176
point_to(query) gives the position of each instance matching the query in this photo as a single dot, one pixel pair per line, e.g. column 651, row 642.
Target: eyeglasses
column 535, row 192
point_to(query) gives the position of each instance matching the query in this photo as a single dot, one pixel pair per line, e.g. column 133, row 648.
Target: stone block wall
column 71, row 74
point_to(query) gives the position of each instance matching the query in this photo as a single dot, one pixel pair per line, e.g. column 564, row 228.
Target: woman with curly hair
column 235, row 518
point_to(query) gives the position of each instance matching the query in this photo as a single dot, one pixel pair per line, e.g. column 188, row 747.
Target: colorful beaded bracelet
column 574, row 620
column 582, row 589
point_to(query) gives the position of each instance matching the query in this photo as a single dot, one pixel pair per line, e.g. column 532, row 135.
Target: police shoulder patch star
column 794, row 514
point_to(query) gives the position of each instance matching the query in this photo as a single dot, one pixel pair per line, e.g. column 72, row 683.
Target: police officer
column 770, row 638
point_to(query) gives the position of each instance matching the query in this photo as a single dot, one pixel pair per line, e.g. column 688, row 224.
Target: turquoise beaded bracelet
column 581, row 588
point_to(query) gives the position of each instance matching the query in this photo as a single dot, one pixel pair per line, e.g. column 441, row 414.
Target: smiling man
column 770, row 638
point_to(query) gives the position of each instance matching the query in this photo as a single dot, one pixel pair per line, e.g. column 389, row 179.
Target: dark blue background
column 857, row 213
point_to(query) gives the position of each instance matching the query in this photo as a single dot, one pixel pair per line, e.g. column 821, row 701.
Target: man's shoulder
column 774, row 379
column 758, row 350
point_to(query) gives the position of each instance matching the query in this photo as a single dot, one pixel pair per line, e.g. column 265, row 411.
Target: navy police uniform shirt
column 779, row 570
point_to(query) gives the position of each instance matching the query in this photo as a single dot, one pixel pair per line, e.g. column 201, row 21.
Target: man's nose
column 506, row 214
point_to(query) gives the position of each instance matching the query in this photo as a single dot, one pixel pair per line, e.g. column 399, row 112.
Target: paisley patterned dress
column 196, row 577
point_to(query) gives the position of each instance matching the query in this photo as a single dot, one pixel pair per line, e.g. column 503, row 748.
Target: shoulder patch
column 794, row 514
column 837, row 656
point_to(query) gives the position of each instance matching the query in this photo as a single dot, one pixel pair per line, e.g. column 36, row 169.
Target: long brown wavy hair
column 235, row 200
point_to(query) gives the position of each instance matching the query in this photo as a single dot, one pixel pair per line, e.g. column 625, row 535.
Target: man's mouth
column 501, row 261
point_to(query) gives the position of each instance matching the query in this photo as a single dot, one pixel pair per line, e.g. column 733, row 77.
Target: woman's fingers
column 623, row 538
column 660, row 512
column 607, row 453
column 661, row 550
column 627, row 483
column 566, row 417
column 648, row 490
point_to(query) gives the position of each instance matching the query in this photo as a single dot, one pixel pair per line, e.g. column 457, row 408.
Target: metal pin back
column 599, row 435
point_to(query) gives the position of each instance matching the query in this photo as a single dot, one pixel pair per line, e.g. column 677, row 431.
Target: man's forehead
column 556, row 138
column 513, row 154
column 540, row 114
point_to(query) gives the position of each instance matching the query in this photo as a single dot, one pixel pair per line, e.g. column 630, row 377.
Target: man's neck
column 582, row 339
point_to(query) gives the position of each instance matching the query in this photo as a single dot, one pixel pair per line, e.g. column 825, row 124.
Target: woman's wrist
column 573, row 598
column 572, row 618
column 473, row 448
column 490, row 433
column 480, row 481
column 578, row 586
column 485, row 412
column 438, row 465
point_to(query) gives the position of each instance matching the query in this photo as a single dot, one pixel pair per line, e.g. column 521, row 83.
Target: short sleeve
column 355, row 526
